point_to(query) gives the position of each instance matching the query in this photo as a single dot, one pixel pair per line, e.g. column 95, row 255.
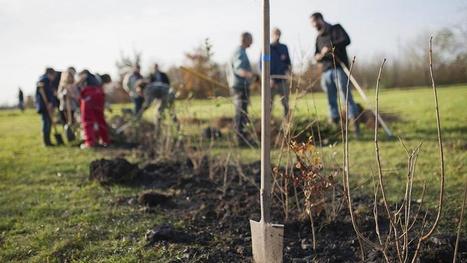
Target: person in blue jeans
column 333, row 78
column 45, row 84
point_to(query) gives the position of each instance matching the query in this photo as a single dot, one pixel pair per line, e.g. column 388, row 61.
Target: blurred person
column 280, row 69
column 333, row 78
column 68, row 94
column 92, row 104
column 162, row 96
column 45, row 105
column 129, row 84
column 158, row 76
column 157, row 90
column 20, row 99
column 55, row 86
column 240, row 75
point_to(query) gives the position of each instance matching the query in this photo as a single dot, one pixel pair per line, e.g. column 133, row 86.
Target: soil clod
column 115, row 171
column 166, row 232
column 152, row 198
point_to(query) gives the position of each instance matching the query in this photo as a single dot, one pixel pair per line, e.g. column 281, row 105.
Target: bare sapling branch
column 427, row 235
column 346, row 167
column 440, row 145
column 378, row 158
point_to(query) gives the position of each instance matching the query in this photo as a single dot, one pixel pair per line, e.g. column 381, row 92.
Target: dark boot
column 47, row 142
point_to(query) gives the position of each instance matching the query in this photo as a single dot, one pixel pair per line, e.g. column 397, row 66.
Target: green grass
column 50, row 211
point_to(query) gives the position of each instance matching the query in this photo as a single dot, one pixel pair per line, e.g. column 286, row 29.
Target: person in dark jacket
column 280, row 69
column 158, row 76
column 20, row 99
column 45, row 102
column 333, row 78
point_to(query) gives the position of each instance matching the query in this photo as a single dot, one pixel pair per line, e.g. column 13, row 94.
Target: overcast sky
column 92, row 33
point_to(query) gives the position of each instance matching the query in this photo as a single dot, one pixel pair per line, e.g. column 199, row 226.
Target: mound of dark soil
column 215, row 212
column 366, row 117
column 152, row 198
column 115, row 171
column 167, row 232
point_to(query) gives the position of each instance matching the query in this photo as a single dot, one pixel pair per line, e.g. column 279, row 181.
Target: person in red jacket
column 92, row 105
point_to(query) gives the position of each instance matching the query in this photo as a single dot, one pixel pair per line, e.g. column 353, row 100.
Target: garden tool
column 204, row 77
column 365, row 98
column 267, row 238
column 58, row 137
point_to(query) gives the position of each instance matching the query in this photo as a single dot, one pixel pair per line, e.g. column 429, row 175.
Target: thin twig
column 392, row 219
column 441, row 156
column 346, row 169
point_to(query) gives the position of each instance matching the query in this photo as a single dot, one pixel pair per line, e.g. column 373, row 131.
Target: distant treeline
column 411, row 68
column 408, row 68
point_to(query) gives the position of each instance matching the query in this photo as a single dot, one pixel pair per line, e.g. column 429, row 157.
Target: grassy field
column 49, row 211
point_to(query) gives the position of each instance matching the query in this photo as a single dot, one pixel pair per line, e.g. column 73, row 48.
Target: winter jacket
column 45, row 84
column 333, row 36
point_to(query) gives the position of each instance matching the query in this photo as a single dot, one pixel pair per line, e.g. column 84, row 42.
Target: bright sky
column 92, row 33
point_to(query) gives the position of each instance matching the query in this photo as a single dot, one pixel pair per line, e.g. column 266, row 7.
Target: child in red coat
column 92, row 105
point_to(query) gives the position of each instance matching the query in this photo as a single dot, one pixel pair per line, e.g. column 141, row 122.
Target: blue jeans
column 331, row 81
column 138, row 102
column 46, row 127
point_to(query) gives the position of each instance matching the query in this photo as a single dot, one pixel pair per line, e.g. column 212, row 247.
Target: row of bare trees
column 406, row 69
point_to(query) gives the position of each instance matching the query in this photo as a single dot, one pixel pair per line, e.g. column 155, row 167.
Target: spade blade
column 267, row 242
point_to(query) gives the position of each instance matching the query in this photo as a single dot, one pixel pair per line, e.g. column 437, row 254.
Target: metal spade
column 267, row 238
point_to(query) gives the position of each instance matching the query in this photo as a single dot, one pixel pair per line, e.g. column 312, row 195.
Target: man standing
column 333, row 78
column 240, row 76
column 280, row 68
column 20, row 99
column 45, row 102
column 129, row 84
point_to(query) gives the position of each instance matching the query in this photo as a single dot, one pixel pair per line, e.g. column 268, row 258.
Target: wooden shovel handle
column 265, row 120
